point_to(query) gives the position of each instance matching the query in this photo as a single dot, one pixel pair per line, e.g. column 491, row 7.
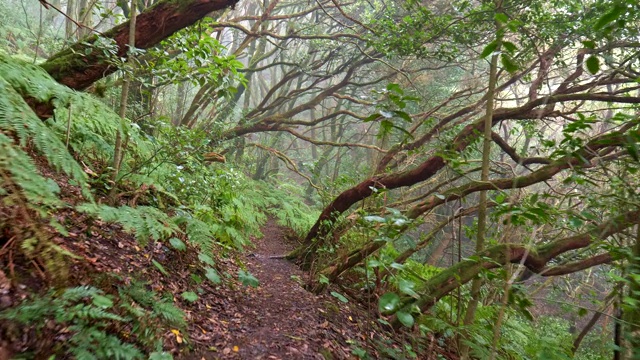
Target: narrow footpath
column 286, row 321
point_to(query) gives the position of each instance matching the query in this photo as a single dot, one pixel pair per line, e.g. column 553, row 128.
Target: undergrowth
column 98, row 325
column 172, row 195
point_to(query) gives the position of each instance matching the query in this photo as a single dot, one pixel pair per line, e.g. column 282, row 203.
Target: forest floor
column 284, row 321
column 278, row 319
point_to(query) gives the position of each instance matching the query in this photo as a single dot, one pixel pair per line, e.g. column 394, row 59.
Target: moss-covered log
column 87, row 61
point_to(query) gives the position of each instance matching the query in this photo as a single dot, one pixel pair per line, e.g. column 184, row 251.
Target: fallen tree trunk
column 86, row 61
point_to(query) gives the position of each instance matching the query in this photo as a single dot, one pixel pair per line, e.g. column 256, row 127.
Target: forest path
column 286, row 321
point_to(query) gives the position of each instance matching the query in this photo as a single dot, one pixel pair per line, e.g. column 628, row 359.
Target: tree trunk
column 436, row 255
column 78, row 70
column 69, row 26
column 631, row 328
column 482, row 207
column 119, row 147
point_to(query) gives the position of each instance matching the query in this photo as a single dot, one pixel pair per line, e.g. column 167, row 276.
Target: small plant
column 247, row 279
column 190, row 296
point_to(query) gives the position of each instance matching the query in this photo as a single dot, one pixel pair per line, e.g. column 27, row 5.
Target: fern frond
column 199, row 233
column 169, row 313
column 145, row 221
column 19, row 80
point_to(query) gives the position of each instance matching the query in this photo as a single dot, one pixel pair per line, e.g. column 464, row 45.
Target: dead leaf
column 178, row 335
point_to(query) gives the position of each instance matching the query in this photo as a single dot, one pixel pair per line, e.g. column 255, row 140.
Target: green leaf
column 373, row 263
column 509, row 46
column 610, row 17
column 632, row 148
column 177, row 244
column 190, row 296
column 405, row 318
column 102, row 301
column 508, row 64
column 403, row 115
column 388, row 303
column 593, row 64
column 206, row 259
column 375, row 218
column 395, row 88
column 406, row 287
column 501, row 18
column 489, row 49
column 196, row 278
column 247, row 279
column 212, row 275
column 394, row 212
column 576, row 222
column 339, row 297
column 514, row 25
column 589, row 44
column 160, row 356
column 372, row 117
column 160, row 267
column 386, row 114
column 323, row 280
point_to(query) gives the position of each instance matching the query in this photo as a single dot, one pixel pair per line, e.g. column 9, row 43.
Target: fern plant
column 19, row 81
column 145, row 222
column 98, row 323
column 31, row 196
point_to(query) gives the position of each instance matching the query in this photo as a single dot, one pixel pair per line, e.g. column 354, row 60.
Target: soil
column 285, row 321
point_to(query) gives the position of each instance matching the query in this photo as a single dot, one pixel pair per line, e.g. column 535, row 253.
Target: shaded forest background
column 469, row 168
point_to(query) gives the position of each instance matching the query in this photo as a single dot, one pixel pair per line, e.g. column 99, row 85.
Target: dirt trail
column 287, row 322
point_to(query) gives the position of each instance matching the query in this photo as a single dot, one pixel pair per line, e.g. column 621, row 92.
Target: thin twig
column 47, row 5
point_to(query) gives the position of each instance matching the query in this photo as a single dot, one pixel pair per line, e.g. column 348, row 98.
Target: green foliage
column 389, row 303
column 247, row 279
column 197, row 60
column 339, row 296
column 177, row 244
column 285, row 203
column 391, row 106
column 19, row 81
column 145, row 222
column 93, row 128
column 190, row 296
column 96, row 322
column 22, row 185
column 212, row 275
